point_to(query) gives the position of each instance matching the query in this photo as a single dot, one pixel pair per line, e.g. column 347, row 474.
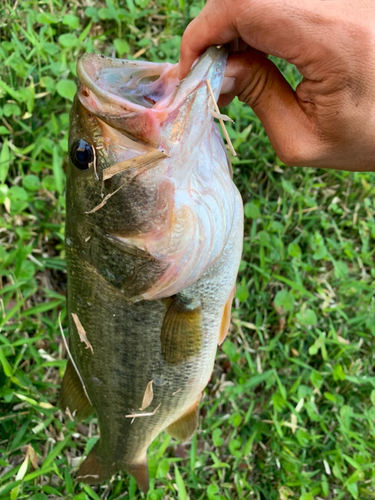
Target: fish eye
column 82, row 154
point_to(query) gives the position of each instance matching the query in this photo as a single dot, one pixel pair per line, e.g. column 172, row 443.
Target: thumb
column 259, row 83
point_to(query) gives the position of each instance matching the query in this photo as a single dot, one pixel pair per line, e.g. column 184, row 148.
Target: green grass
column 290, row 409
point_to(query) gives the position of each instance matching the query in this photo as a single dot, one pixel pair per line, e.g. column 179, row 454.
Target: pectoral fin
column 72, row 395
column 181, row 333
column 185, row 426
column 225, row 322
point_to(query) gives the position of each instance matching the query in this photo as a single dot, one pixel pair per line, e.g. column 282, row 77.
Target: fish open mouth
column 139, row 83
column 143, row 90
column 136, row 97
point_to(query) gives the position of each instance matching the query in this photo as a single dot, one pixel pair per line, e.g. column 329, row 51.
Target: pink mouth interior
column 143, row 87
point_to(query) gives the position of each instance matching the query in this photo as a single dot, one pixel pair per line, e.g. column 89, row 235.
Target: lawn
column 289, row 412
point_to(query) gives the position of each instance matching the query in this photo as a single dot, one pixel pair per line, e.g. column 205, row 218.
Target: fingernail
column 228, row 85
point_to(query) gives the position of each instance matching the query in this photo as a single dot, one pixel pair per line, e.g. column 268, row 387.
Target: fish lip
column 89, row 66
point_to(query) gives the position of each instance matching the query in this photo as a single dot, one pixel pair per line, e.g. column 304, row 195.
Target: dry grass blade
column 47, row 406
column 135, row 415
column 281, row 314
column 81, row 332
column 342, row 340
column 220, row 116
column 142, row 166
column 68, row 412
column 220, row 119
column 146, row 160
column 139, row 53
column 293, row 425
column 105, row 199
column 72, row 360
column 148, row 396
column 176, row 392
column 32, row 456
column 95, row 476
column 13, row 415
column 94, row 163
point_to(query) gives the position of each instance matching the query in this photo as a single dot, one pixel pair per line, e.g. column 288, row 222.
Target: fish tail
column 95, row 469
column 139, row 471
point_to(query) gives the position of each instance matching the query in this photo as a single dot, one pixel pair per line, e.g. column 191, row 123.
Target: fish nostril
column 159, row 381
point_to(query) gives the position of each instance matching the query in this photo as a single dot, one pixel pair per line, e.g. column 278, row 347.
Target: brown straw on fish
column 105, row 199
column 141, row 161
column 81, row 332
column 94, row 163
column 219, row 116
column 220, row 119
column 149, row 414
column 142, row 164
column 95, row 476
column 147, row 397
column 72, row 360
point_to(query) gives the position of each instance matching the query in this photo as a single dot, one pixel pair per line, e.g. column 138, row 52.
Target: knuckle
column 258, row 79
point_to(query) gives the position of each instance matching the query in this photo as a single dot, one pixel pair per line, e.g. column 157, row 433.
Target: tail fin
column 95, row 470
column 140, row 473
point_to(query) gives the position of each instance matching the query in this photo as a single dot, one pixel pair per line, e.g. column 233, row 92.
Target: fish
column 154, row 231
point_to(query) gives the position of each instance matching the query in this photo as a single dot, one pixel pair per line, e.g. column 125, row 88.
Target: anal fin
column 95, row 470
column 186, row 425
column 181, row 333
column 72, row 395
column 225, row 322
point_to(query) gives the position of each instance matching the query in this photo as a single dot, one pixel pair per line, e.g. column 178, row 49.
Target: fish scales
column 150, row 272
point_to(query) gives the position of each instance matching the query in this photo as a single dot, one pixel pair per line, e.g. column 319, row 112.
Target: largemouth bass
column 153, row 242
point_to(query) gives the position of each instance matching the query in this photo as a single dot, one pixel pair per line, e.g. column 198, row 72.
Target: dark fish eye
column 82, row 154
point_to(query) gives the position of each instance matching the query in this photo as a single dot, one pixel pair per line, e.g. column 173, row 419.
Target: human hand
column 329, row 121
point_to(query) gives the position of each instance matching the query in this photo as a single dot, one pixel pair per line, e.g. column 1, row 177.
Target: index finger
column 214, row 26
